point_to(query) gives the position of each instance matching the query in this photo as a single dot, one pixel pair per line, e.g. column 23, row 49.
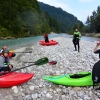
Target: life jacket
column 77, row 35
column 11, row 54
column 45, row 35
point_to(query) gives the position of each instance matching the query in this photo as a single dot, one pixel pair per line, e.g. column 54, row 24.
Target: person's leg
column 78, row 45
column 46, row 39
column 74, row 42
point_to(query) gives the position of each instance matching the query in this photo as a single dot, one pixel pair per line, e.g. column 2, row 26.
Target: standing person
column 46, row 37
column 76, row 39
column 96, row 68
column 4, row 62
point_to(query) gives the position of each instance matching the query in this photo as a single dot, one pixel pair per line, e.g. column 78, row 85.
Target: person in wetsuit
column 46, row 38
column 96, row 68
column 76, row 39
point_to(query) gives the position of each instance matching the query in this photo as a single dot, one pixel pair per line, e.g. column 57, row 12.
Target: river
column 28, row 41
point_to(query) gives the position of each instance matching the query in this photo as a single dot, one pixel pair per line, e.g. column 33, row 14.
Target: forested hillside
column 19, row 18
column 93, row 22
column 66, row 20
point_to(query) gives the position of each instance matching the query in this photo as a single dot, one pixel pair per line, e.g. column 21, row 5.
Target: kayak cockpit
column 79, row 75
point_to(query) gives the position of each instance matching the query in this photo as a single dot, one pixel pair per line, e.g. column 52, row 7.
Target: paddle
column 20, row 52
column 51, row 62
column 38, row 62
column 24, row 52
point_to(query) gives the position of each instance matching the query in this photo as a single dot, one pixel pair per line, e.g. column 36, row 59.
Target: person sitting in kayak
column 46, row 37
column 96, row 67
column 76, row 39
column 3, row 48
column 4, row 62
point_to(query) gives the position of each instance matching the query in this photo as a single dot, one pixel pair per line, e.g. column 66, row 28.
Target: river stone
column 9, row 97
column 15, row 89
column 34, row 96
column 31, row 87
column 48, row 95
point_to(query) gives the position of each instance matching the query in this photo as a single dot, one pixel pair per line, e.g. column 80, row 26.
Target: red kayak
column 14, row 79
column 51, row 42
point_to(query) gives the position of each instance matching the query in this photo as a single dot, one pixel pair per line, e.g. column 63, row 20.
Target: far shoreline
column 97, row 35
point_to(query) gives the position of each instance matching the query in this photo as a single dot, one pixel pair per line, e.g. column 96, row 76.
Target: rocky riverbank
column 68, row 61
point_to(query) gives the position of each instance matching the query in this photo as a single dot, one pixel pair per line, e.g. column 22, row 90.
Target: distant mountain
column 65, row 19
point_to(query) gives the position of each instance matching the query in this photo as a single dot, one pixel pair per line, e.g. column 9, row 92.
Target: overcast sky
column 79, row 8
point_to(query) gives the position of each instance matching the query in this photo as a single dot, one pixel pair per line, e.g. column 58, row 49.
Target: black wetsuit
column 96, row 70
column 76, row 41
column 5, row 69
column 46, row 39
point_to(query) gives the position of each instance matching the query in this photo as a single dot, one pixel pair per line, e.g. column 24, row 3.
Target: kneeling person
column 4, row 62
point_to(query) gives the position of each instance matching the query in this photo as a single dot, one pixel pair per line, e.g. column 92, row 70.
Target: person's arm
column 79, row 35
column 96, row 50
column 73, row 35
column 1, row 50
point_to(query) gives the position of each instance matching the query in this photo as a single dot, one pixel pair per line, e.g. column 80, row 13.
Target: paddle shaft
column 6, row 72
column 24, row 52
column 44, row 60
column 51, row 63
column 23, row 67
column 38, row 62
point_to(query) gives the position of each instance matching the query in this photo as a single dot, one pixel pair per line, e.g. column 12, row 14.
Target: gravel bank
column 68, row 61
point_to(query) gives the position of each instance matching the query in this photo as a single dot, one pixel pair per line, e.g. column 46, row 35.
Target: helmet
column 4, row 47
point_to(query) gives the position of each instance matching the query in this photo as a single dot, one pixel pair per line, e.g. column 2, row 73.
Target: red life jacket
column 10, row 54
column 45, row 35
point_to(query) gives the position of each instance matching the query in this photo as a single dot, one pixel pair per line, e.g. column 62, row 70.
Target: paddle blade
column 53, row 62
column 42, row 61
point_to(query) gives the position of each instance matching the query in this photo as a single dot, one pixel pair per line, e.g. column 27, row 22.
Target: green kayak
column 79, row 79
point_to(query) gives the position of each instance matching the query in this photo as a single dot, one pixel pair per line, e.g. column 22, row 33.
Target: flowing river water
column 28, row 41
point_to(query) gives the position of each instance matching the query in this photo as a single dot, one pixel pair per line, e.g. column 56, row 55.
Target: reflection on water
column 21, row 42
